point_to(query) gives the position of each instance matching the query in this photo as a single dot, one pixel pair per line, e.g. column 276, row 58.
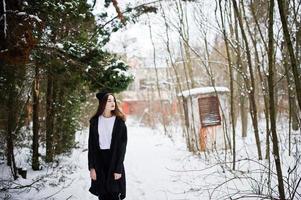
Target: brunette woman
column 106, row 149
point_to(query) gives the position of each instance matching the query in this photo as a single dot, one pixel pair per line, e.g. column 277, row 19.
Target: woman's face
column 110, row 106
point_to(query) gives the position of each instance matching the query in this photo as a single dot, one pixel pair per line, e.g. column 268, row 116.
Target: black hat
column 100, row 95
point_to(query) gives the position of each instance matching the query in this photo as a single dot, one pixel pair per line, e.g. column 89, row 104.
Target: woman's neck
column 107, row 114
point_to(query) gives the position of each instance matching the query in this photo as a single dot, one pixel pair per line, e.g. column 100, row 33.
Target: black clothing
column 113, row 196
column 108, row 162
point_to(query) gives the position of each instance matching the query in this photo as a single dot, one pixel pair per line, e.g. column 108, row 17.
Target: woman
column 106, row 150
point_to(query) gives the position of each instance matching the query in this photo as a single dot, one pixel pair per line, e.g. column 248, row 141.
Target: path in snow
column 150, row 157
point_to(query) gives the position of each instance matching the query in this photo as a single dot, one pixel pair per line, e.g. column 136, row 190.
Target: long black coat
column 118, row 149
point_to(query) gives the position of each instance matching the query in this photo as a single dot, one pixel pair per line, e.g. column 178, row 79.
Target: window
column 209, row 111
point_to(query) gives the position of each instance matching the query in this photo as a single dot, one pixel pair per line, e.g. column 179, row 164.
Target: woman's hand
column 93, row 174
column 117, row 176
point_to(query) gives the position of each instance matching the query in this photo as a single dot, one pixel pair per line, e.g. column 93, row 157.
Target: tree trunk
column 184, row 35
column 185, row 110
column 240, row 80
column 194, row 136
column 163, row 114
column 289, row 45
column 58, row 133
column 291, row 98
column 11, row 121
column 296, row 122
column 35, row 120
column 261, row 78
column 272, row 103
column 49, row 117
column 231, row 88
column 253, row 107
column 184, row 28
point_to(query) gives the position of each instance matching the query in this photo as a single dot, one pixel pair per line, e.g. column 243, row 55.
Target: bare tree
column 251, row 89
column 287, row 38
column 178, row 88
column 241, row 71
column 157, row 77
column 272, row 103
column 231, row 87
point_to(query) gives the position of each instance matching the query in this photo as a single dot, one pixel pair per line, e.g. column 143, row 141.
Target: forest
column 167, row 61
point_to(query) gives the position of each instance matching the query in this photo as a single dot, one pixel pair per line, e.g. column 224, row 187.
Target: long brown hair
column 101, row 107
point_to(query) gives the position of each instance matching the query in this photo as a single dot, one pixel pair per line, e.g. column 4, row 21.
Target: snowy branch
column 4, row 19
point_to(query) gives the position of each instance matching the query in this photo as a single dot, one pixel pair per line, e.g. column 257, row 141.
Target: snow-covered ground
column 157, row 168
column 150, row 163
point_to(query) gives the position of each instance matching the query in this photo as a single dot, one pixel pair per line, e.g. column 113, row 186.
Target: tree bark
column 272, row 103
column 241, row 80
column 35, row 119
column 194, row 137
column 231, row 88
column 289, row 45
column 263, row 82
column 49, row 116
column 291, row 98
column 11, row 122
column 58, row 133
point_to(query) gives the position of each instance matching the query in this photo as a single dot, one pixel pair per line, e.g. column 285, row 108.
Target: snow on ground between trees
column 157, row 167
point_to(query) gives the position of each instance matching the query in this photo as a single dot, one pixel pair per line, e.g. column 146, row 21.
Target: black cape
column 118, row 149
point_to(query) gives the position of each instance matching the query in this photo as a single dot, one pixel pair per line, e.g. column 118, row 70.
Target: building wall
column 142, row 94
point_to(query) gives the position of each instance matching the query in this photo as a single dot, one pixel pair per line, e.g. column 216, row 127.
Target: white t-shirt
column 105, row 129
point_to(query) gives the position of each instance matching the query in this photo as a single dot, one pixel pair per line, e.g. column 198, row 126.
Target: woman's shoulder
column 93, row 119
column 120, row 119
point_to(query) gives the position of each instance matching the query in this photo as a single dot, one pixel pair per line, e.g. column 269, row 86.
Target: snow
column 4, row 18
column 21, row 13
column 122, row 72
column 88, row 68
column 157, row 168
column 4, row 50
column 36, row 18
column 59, row 45
column 150, row 163
column 203, row 90
column 69, row 4
column 118, row 70
column 82, row 15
